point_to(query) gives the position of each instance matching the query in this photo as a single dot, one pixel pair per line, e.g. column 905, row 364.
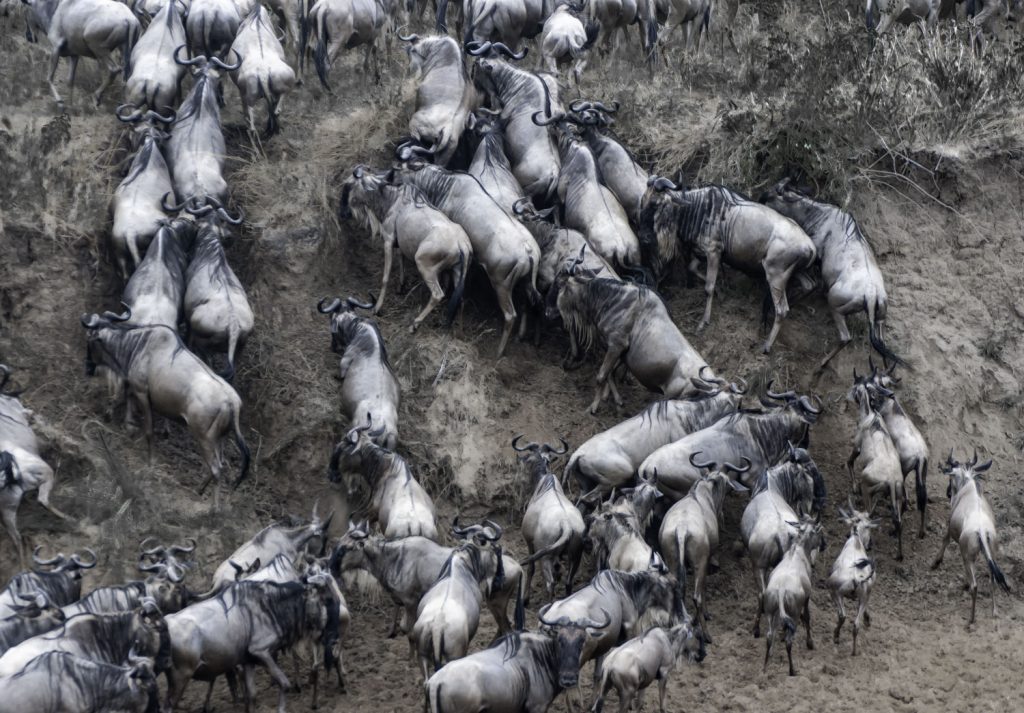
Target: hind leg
column 837, row 599
column 112, row 71
column 508, row 311
column 972, row 582
column 806, row 616
column 844, row 339
column 710, row 279
column 430, row 273
column 777, row 287
column 10, row 520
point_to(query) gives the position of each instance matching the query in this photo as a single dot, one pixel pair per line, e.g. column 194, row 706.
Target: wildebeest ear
column 546, row 213
column 738, row 486
column 389, row 177
column 983, row 467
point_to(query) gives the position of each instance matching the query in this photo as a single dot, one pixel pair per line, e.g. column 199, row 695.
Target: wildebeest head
column 860, row 523
column 789, row 199
column 426, row 53
column 538, row 457
column 322, row 612
column 687, row 641
column 348, row 552
column 569, row 285
column 165, row 583
column 485, row 537
column 802, row 406
column 809, row 535
column 659, row 223
column 964, row 474
column 149, row 635
column 98, row 330
column 73, row 566
column 362, row 196
column 343, row 318
column 718, row 479
column 570, row 637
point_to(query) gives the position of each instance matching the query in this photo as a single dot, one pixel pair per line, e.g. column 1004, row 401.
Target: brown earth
column 954, row 276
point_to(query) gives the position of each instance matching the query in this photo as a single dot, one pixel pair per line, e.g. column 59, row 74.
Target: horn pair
column 478, row 49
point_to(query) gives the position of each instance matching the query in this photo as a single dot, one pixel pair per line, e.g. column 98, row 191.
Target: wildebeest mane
column 442, row 52
column 61, row 588
column 201, row 97
column 108, row 634
column 474, row 562
column 379, row 462
column 601, row 295
column 141, row 160
column 283, row 604
column 365, row 338
column 106, row 599
column 208, row 253
column 133, row 339
column 97, row 683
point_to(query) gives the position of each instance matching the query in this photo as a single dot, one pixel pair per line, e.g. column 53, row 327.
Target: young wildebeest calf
column 788, row 593
column 639, row 662
column 973, row 524
column 689, row 532
column 400, row 217
column 853, row 573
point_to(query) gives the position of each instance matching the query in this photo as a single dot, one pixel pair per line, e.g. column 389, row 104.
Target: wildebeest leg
column 711, row 277
column 275, row 673
column 759, row 581
column 112, row 70
column 54, row 62
column 575, row 556
column 942, row 550
column 972, row 580
column 547, row 569
column 508, row 311
column 44, row 498
column 854, row 454
column 430, row 273
column 844, row 339
column 389, row 257
column 147, row 424
column 806, row 616
column 862, row 608
column 700, row 584
column 837, row 599
column 529, row 582
column 777, row 288
column 10, row 519
column 615, row 350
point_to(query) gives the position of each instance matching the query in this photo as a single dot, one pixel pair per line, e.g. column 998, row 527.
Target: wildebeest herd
column 497, row 171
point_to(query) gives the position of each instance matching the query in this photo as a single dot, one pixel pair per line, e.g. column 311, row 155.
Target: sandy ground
column 956, row 312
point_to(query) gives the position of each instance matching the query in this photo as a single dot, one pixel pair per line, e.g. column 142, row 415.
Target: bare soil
column 954, row 276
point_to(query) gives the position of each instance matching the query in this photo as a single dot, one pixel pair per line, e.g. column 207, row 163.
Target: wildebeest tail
column 436, row 708
column 272, row 98
column 532, row 294
column 131, row 36
column 458, row 291
column 442, row 12
column 869, row 17
column 997, row 574
column 556, row 546
column 437, row 654
column 519, row 616
column 323, row 37
column 875, row 336
column 243, row 451
column 681, row 567
column 229, row 373
column 788, row 625
column 920, row 480
column 303, row 37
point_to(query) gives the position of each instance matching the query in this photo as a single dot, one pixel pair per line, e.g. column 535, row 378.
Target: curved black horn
column 75, row 560
column 712, row 379
column 158, row 550
column 591, row 624
column 710, row 465
column 504, row 49
column 806, row 404
column 171, row 207
column 783, row 396
column 187, row 62
column 124, row 317
column 406, row 38
column 738, row 469
column 184, row 549
column 91, row 321
column 581, row 105
column 741, row 388
column 154, row 116
column 519, row 207
column 565, row 447
column 517, row 448
column 233, row 221
column 58, row 560
column 152, row 567
column 607, row 109
column 660, row 183
column 495, row 528
column 460, row 531
column 325, row 307
column 353, row 302
column 131, row 117
column 546, row 121
column 227, row 67
column 359, row 171
column 477, row 48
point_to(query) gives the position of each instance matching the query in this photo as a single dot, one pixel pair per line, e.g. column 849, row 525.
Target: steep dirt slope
column 956, row 312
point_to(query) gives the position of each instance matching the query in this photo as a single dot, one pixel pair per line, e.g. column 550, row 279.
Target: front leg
column 611, row 358
column 854, row 454
column 714, row 259
column 389, row 256
column 277, row 674
column 942, row 550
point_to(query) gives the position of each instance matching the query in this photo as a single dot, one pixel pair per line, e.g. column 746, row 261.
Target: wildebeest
column 502, row 246
column 910, row 444
column 519, row 93
column 137, row 204
column 164, row 586
column 615, row 15
column 606, row 612
column 690, row 529
column 490, row 165
column 504, row 22
column 22, row 468
column 518, row 672
column 86, row 28
column 249, row 623
column 589, row 206
column 35, row 615
column 652, row 656
column 617, row 536
column 566, row 39
column 342, row 24
column 788, row 593
column 780, row 495
column 104, row 638
column 264, row 73
column 407, row 567
column 853, row 573
column 906, row 12
column 973, row 524
column 368, row 384
column 444, row 94
column 211, row 26
column 633, row 323
column 617, row 166
column 156, row 290
column 879, row 472
column 58, row 682
column 155, row 80
column 398, row 503
column 196, row 150
column 552, row 526
column 401, row 218
column 849, row 272
column 611, row 458
column 62, row 585
column 694, row 16
column 761, row 436
column 558, row 246
column 449, row 612
column 281, row 538
column 217, row 309
column 719, row 224
column 164, row 377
